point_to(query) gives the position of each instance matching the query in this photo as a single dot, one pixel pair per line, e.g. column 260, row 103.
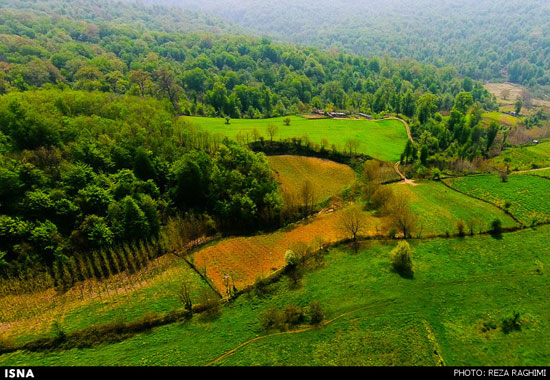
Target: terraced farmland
column 245, row 258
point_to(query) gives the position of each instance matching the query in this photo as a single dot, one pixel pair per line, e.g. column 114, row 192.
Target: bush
column 293, row 315
column 512, row 324
column 291, row 258
column 402, row 259
column 315, row 313
column 270, row 319
column 540, row 267
column 58, row 331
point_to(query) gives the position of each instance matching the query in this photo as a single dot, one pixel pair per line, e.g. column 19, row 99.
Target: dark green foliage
column 512, row 323
column 292, row 316
column 496, row 227
column 497, row 40
column 315, row 313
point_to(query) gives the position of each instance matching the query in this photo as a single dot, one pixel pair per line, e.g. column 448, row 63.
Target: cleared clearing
column 382, row 139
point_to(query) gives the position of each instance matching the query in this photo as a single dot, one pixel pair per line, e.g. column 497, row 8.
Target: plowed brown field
column 246, row 258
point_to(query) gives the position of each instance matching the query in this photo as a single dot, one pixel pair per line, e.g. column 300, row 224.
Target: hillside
column 250, row 183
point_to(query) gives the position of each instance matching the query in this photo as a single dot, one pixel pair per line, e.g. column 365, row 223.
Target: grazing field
column 383, row 139
column 440, row 208
column 27, row 316
column 454, row 310
column 527, row 197
column 512, row 91
column 526, row 157
column 500, row 118
column 327, row 177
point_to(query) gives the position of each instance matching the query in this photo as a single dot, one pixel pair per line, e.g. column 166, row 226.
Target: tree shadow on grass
column 405, row 273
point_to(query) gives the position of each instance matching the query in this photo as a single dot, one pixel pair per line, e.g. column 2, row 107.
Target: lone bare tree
column 402, row 218
column 307, row 193
column 352, row 224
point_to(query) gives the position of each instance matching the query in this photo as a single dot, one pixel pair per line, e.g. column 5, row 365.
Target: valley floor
column 453, row 310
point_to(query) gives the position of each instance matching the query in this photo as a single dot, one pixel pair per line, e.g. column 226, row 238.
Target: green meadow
column 454, row 309
column 526, row 157
column 439, row 209
column 382, row 139
column 527, row 197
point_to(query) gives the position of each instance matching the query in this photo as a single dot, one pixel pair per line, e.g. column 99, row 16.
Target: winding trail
column 405, row 179
column 406, row 126
column 396, row 165
column 309, row 328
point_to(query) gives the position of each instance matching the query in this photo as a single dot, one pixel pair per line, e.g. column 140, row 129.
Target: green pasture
column 382, row 139
column 526, row 197
column 526, row 157
column 439, row 208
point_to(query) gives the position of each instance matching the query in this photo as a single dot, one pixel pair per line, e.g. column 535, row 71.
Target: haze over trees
column 491, row 40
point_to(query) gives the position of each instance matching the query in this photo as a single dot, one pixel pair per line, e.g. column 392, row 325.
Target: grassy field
column 525, row 158
column 528, row 196
column 500, row 118
column 462, row 291
column 384, row 139
column 32, row 315
column 327, row 177
column 440, row 208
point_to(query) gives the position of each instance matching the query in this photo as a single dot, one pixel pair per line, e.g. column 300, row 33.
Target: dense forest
column 490, row 40
column 210, row 74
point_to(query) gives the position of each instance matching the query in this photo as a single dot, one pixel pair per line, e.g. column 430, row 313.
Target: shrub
column 402, row 259
column 260, row 285
column 315, row 313
column 211, row 305
column 540, row 267
column 293, row 315
column 270, row 319
column 291, row 258
column 184, row 295
column 512, row 324
column 58, row 331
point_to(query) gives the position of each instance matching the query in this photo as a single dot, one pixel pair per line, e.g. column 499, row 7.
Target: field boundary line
column 486, row 201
